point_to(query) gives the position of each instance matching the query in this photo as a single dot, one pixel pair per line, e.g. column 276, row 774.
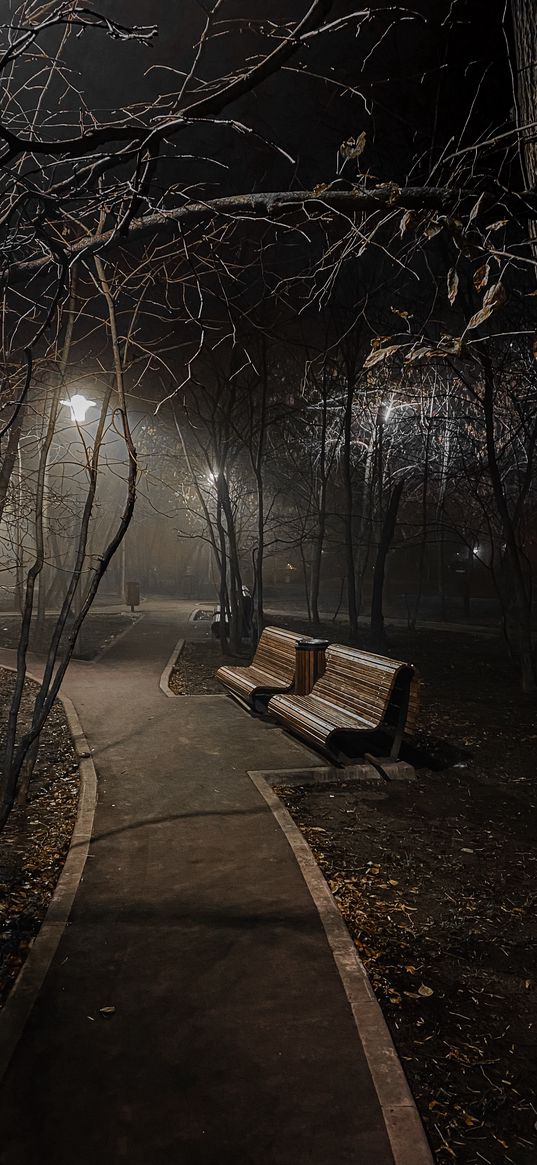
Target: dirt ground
column 98, row 631
column 35, row 840
column 193, row 674
column 437, row 881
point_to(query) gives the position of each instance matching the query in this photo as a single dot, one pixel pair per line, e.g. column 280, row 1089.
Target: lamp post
column 78, row 406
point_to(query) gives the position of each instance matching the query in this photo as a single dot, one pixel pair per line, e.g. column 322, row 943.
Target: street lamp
column 79, row 406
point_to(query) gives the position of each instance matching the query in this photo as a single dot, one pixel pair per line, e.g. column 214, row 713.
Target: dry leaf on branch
column 481, row 276
column 475, row 209
column 353, row 147
column 379, row 354
column 496, row 296
column 452, row 285
column 479, row 317
column 407, row 220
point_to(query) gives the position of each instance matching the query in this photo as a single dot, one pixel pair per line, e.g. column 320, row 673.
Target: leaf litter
column 436, row 881
column 35, row 839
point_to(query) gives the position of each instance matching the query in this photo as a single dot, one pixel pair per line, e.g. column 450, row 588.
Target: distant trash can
column 310, row 664
column 132, row 594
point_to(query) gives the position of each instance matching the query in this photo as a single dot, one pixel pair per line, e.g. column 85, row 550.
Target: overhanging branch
column 442, row 199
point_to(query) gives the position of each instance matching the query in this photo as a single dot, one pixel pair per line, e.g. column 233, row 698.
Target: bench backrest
column 364, row 683
column 276, row 652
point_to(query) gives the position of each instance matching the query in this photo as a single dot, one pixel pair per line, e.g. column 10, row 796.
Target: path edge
column 112, row 643
column 404, row 1127
column 28, row 984
column 164, row 679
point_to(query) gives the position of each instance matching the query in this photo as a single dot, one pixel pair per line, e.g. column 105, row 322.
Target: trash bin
column 132, row 594
column 310, row 664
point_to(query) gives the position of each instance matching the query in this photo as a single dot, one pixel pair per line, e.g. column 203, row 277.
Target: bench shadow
column 423, row 751
column 204, row 916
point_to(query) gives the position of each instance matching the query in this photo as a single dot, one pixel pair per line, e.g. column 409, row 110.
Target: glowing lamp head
column 79, row 406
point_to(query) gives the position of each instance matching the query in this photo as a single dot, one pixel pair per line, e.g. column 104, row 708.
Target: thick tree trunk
column 521, row 597
column 9, row 458
column 524, row 18
column 525, row 37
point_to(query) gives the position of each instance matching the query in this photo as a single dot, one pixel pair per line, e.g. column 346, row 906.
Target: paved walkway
column 232, row 1042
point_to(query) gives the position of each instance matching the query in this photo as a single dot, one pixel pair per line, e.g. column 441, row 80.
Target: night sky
column 418, row 84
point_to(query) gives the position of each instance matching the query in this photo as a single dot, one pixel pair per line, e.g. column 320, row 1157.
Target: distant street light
column 79, row 406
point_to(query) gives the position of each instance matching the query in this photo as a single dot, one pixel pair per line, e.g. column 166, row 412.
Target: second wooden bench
column 360, row 693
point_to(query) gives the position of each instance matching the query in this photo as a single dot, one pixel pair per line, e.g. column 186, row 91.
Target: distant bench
column 359, row 693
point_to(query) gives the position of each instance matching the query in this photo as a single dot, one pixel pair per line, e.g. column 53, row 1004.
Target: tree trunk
column 306, row 580
column 259, row 576
column 525, row 38
column 10, row 457
column 423, row 540
column 348, row 513
column 315, row 576
column 524, row 17
column 258, row 471
column 235, row 580
column 386, row 538
column 521, row 604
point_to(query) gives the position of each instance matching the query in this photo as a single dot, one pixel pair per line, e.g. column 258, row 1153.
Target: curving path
column 232, row 1041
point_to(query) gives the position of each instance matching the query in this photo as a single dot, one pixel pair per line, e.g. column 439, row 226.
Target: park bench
column 359, row 694
column 272, row 669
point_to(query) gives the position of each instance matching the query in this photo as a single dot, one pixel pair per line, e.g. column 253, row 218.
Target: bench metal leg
column 401, row 721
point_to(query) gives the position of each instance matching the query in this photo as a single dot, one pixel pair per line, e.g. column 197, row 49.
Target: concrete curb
column 32, row 975
column 163, row 682
column 112, row 643
column 102, row 651
column 407, row 1137
column 198, row 611
column 363, row 774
